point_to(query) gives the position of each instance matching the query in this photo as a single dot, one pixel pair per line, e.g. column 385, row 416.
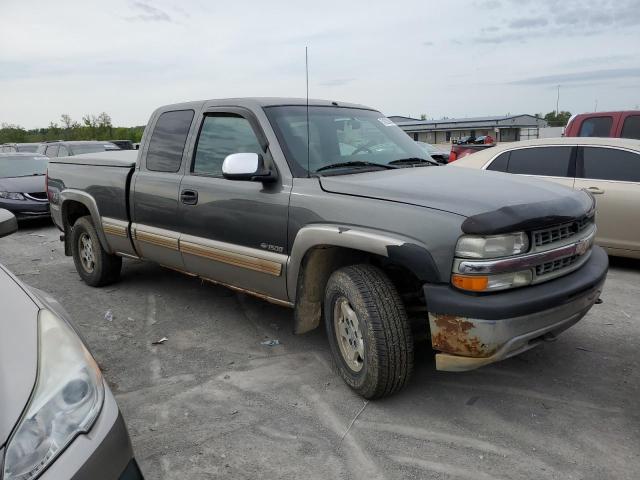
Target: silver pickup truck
column 331, row 209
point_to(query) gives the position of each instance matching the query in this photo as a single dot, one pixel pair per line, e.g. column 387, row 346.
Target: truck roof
column 258, row 102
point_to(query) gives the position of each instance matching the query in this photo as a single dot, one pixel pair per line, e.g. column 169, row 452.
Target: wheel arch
column 319, row 250
column 75, row 204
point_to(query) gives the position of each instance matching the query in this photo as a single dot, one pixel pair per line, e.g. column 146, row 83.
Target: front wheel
column 94, row 264
column 368, row 331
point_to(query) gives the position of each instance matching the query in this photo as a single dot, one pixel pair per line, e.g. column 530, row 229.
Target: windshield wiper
column 29, row 175
column 413, row 161
column 356, row 163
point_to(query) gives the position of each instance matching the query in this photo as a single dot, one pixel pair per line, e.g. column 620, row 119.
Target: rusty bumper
column 466, row 341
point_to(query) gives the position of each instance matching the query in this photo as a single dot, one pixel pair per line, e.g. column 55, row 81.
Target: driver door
column 233, row 231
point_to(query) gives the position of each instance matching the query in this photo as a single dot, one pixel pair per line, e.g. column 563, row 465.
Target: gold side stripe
column 159, row 240
column 117, row 230
column 236, row 259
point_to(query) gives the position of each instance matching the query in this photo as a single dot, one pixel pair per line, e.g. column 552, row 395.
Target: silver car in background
column 58, row 418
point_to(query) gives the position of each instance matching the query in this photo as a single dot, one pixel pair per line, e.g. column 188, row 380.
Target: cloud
column 581, row 77
column 428, row 44
column 569, row 18
column 528, row 23
column 148, row 13
column 336, row 82
column 489, row 4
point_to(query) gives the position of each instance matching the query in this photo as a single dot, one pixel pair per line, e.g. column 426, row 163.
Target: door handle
column 189, row 197
column 595, row 190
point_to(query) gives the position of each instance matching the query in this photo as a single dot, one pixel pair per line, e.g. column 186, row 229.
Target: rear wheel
column 368, row 331
column 94, row 265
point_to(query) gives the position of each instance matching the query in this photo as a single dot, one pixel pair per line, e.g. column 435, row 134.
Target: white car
column 609, row 168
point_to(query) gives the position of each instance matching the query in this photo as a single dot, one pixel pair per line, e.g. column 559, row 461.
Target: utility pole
column 595, row 107
column 558, row 101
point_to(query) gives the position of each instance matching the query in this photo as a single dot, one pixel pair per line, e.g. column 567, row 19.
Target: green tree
column 557, row 119
column 93, row 127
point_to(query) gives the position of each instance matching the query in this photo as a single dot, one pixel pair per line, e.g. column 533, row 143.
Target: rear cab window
column 168, row 141
column 596, row 127
column 631, row 127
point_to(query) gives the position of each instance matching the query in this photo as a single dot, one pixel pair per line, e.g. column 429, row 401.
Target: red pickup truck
column 469, row 145
column 623, row 124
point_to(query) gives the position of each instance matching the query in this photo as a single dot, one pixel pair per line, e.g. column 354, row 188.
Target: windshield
column 339, row 135
column 22, row 165
column 93, row 148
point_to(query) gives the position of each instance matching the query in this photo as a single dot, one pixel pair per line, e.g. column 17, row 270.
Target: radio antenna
column 306, row 66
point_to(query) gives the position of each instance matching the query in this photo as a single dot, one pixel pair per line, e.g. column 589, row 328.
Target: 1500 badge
column 271, row 248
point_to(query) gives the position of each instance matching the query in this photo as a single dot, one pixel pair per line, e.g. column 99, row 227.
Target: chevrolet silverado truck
column 330, row 209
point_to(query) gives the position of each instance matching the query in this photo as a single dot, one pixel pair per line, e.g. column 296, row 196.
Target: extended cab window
column 547, row 161
column 631, row 127
column 500, row 163
column 611, row 164
column 596, row 127
column 168, row 140
column 222, row 135
column 63, row 152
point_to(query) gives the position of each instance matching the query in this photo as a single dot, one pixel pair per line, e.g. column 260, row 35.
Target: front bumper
column 470, row 331
column 24, row 209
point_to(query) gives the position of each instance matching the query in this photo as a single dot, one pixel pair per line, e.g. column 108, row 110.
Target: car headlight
column 12, row 196
column 492, row 246
column 65, row 402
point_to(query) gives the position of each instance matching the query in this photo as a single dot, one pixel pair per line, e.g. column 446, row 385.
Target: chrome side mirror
column 246, row 166
column 8, row 223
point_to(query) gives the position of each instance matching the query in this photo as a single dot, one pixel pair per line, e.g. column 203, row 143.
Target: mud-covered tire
column 387, row 343
column 94, row 265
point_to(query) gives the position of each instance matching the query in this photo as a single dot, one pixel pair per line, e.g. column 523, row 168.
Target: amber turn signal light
column 475, row 283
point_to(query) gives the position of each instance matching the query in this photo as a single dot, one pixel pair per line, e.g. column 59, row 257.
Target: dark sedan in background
column 22, row 184
column 75, row 147
column 19, row 147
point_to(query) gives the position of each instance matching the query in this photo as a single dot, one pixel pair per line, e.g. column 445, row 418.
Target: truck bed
column 104, row 176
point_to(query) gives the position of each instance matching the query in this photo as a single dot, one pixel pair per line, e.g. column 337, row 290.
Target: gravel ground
column 213, row 402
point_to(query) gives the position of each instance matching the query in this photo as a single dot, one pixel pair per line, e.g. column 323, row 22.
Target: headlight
column 65, row 402
column 12, row 196
column 492, row 246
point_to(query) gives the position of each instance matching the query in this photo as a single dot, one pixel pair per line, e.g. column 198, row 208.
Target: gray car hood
column 493, row 202
column 18, row 351
column 30, row 184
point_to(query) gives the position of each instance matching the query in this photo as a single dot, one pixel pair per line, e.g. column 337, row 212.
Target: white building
column 502, row 128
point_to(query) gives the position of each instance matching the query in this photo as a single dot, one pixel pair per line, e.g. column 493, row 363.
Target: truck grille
column 560, row 232
column 556, row 265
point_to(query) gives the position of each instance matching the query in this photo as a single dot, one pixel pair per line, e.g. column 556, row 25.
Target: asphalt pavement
column 213, row 402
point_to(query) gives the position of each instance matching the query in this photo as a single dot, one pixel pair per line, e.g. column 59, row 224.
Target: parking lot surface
column 213, row 401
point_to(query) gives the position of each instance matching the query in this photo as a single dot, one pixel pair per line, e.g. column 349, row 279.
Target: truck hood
column 493, row 202
column 30, row 184
column 18, row 351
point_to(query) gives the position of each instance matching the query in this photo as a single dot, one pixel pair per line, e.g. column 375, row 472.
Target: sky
column 451, row 58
